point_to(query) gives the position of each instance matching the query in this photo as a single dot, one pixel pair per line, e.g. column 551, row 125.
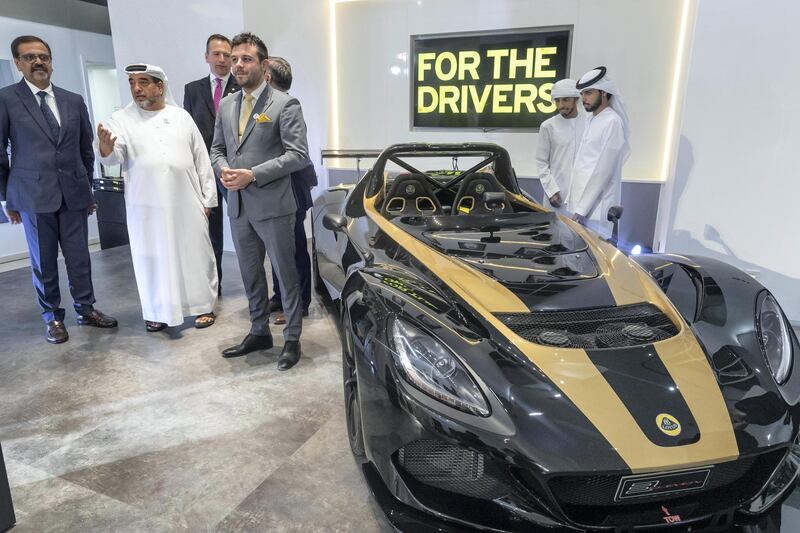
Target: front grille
column 602, row 327
column 454, row 469
column 589, row 500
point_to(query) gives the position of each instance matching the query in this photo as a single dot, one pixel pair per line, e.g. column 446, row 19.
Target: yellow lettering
column 463, row 99
column 468, row 61
column 542, row 61
column 423, row 64
column 498, row 98
column 496, row 56
column 448, row 96
column 479, row 103
column 524, row 93
column 546, row 104
column 514, row 64
column 441, row 58
column 421, row 92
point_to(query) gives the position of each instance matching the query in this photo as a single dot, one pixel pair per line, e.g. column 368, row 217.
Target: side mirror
column 334, row 222
column 614, row 214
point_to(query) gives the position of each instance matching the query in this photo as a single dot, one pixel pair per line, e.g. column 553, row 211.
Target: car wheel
column 352, row 405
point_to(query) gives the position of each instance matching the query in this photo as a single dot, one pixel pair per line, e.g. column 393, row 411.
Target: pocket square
column 262, row 118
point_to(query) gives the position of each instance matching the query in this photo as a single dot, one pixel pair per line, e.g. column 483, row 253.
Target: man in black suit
column 201, row 99
column 279, row 76
column 47, row 185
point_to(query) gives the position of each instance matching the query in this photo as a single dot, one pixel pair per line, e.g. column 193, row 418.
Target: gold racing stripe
column 573, row 372
column 495, row 297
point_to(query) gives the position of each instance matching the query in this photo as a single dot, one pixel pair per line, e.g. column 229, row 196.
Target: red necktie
column 217, row 94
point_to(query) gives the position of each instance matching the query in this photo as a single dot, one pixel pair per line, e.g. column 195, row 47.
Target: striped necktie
column 49, row 117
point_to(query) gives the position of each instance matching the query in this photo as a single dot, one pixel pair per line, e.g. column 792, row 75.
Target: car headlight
column 432, row 368
column 776, row 341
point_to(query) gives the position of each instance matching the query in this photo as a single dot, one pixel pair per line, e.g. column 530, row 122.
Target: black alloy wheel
column 352, row 406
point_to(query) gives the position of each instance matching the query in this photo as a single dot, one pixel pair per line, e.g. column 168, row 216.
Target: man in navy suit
column 48, row 184
column 201, row 99
column 279, row 76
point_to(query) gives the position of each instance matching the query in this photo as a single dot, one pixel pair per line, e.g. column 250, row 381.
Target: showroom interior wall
column 299, row 32
column 72, row 49
column 372, row 37
column 736, row 187
column 171, row 34
column 362, row 44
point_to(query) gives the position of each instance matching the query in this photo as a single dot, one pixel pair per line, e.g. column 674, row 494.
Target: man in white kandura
column 559, row 137
column 169, row 190
column 597, row 173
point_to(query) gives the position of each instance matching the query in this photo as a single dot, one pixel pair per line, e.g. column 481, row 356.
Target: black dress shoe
column 97, row 319
column 274, row 306
column 251, row 343
column 289, row 356
column 56, row 332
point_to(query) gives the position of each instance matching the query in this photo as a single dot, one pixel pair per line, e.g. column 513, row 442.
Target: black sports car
column 506, row 369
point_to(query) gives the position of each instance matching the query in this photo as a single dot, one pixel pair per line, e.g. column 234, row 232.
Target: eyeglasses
column 30, row 58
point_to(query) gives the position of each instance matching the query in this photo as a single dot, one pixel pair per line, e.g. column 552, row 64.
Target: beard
column 253, row 79
column 148, row 103
column 591, row 107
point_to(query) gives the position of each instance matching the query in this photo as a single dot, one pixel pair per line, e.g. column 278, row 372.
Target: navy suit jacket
column 43, row 170
column 198, row 102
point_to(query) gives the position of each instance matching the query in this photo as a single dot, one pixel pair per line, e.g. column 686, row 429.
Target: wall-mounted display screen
column 488, row 80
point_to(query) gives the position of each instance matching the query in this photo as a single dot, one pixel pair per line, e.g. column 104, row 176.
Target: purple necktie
column 217, row 94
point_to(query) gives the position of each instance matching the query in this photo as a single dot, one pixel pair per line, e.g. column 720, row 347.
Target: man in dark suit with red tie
column 201, row 99
column 47, row 185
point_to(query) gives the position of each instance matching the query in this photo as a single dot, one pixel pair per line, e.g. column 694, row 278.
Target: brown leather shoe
column 56, row 332
column 97, row 319
column 280, row 318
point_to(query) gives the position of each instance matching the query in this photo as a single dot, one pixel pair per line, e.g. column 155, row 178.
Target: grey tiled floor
column 121, row 430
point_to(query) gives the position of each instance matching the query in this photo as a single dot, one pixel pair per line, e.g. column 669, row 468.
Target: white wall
column 71, row 48
column 635, row 40
column 299, row 32
column 736, row 185
column 171, row 34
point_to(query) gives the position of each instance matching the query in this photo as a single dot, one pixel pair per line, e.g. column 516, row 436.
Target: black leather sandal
column 152, row 327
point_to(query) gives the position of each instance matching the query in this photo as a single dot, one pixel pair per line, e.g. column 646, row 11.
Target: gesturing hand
column 105, row 139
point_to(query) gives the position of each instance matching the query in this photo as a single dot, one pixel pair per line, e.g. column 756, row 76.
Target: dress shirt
column 50, row 99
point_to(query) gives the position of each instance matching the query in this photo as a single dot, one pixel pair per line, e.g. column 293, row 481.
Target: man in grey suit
column 259, row 140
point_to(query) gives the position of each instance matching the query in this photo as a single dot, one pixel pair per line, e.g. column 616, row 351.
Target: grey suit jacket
column 272, row 149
